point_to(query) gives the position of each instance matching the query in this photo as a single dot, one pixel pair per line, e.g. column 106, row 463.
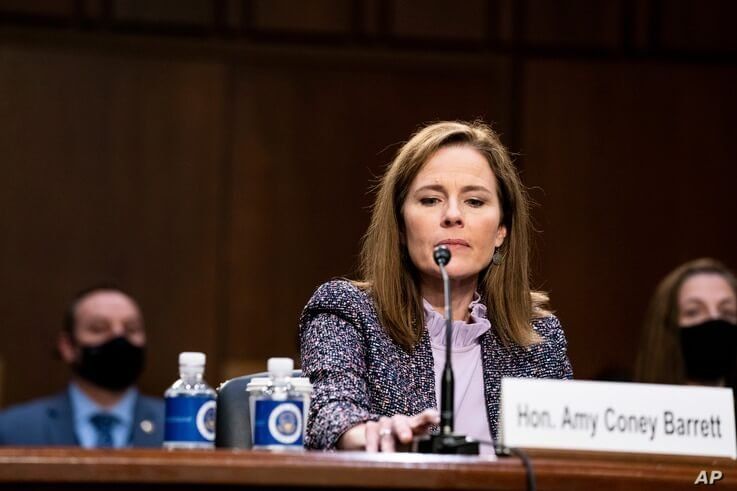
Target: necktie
column 104, row 424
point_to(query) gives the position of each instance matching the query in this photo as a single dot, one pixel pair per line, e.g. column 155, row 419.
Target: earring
column 497, row 257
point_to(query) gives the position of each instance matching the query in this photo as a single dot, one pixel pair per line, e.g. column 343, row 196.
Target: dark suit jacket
column 49, row 421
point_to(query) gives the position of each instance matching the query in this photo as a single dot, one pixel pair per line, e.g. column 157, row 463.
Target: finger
column 386, row 435
column 372, row 436
column 402, row 429
column 432, row 415
column 420, row 421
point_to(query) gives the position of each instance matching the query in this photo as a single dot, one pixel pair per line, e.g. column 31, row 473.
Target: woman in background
column 374, row 349
column 690, row 332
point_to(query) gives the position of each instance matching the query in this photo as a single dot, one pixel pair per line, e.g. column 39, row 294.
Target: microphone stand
column 446, row 442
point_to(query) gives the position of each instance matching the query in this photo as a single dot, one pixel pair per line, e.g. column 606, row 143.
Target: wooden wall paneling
column 309, row 142
column 504, row 24
column 174, row 134
column 691, row 25
column 572, row 23
column 108, row 175
column 186, row 12
column 636, row 166
column 444, row 19
column 330, row 16
column 62, row 8
column 370, row 17
column 640, row 24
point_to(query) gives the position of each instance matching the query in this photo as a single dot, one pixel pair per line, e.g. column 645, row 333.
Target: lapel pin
column 147, row 426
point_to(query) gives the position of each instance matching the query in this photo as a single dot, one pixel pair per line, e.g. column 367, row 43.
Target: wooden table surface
column 74, row 468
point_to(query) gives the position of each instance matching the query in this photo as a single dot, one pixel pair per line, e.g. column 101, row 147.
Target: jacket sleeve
column 554, row 348
column 333, row 357
column 559, row 345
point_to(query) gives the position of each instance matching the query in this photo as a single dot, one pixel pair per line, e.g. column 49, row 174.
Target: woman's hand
column 383, row 435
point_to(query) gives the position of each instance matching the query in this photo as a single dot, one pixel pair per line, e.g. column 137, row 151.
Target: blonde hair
column 389, row 273
column 660, row 359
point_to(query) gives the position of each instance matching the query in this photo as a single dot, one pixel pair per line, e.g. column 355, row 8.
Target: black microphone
column 441, row 255
column 446, row 442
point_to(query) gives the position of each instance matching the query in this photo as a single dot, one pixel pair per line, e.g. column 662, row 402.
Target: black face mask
column 114, row 365
column 709, row 350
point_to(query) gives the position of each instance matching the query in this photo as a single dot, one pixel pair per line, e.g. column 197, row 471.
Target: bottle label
column 278, row 423
column 190, row 419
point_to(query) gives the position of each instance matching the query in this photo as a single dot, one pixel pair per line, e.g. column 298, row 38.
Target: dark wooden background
column 215, row 157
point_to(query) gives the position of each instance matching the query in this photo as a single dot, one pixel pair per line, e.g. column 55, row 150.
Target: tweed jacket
column 359, row 373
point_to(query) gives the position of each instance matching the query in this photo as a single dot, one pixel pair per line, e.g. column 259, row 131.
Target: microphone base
column 445, row 444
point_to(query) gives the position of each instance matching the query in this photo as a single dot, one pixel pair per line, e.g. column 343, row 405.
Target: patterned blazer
column 360, row 374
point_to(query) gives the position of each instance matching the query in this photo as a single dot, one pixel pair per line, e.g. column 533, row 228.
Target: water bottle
column 278, row 407
column 190, row 406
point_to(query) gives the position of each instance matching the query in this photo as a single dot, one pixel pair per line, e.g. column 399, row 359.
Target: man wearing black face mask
column 103, row 341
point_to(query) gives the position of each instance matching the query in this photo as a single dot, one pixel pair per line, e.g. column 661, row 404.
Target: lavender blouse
column 468, row 395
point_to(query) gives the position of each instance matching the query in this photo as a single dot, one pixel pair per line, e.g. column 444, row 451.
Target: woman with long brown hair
column 373, row 348
column 690, row 331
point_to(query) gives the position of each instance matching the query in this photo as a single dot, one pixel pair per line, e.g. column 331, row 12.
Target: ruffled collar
column 463, row 334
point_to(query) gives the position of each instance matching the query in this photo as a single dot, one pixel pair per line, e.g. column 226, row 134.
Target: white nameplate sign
column 617, row 417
